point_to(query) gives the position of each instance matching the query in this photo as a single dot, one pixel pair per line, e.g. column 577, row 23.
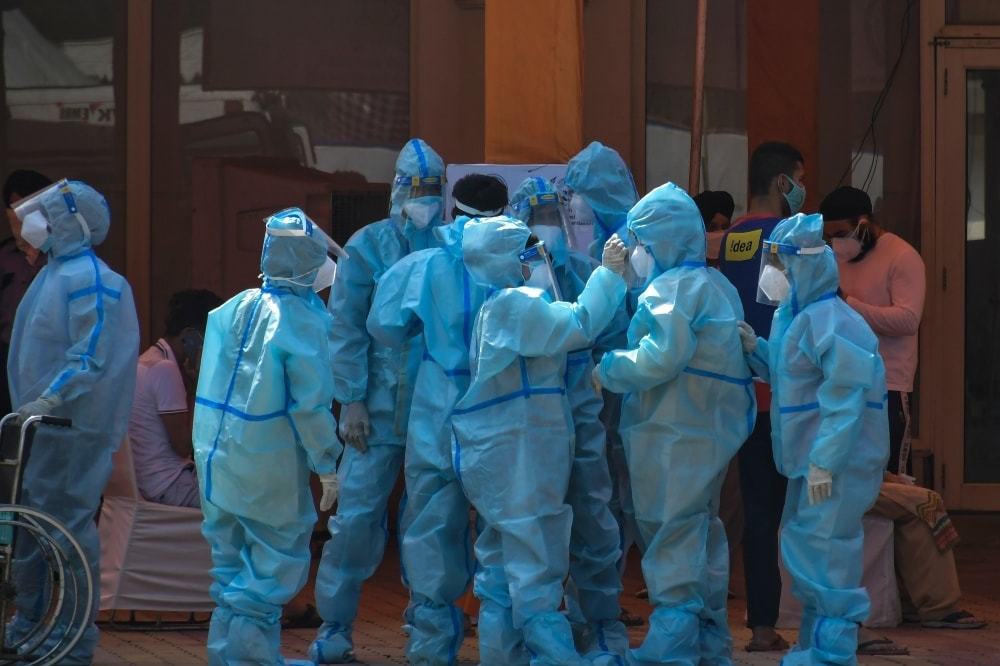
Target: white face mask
column 35, row 229
column 714, row 241
column 325, row 276
column 421, row 212
column 774, row 284
column 846, row 248
column 641, row 262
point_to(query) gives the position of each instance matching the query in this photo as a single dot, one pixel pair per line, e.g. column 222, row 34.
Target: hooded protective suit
column 599, row 175
column 595, row 540
column 828, row 385
column 689, row 406
column 514, row 442
column 75, row 346
column 432, row 293
column 368, row 371
column 265, row 393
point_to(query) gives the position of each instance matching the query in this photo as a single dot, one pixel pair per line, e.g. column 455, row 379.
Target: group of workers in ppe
column 466, row 356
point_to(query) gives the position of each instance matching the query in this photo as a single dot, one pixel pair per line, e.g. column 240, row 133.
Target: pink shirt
column 887, row 288
column 159, row 389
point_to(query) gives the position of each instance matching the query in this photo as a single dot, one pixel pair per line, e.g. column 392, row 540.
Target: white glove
column 748, row 337
column 820, row 484
column 355, row 426
column 595, row 381
column 615, row 255
column 42, row 406
column 331, row 485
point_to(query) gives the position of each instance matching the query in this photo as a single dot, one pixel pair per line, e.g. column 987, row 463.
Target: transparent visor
column 773, row 285
column 546, row 211
column 35, row 227
column 536, row 268
column 640, row 262
column 421, row 186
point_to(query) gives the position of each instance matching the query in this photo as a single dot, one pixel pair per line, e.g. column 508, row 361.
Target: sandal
column 957, row 620
column 630, row 620
column 882, row 647
column 777, row 644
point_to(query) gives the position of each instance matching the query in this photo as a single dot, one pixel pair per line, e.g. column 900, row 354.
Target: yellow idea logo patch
column 742, row 246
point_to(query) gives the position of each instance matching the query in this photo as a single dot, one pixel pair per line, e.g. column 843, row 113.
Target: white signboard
column 513, row 175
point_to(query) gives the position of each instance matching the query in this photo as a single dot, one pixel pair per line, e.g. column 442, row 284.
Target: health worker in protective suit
column 688, row 407
column 595, row 546
column 602, row 192
column 74, row 350
column 432, row 293
column 374, row 385
column 514, row 435
column 262, row 423
column 831, row 436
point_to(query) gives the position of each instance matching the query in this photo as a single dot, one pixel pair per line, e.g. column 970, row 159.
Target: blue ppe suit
column 595, row 540
column 689, row 406
column 599, row 175
column 431, row 292
column 514, row 441
column 829, row 400
column 262, row 421
column 382, row 377
column 75, row 340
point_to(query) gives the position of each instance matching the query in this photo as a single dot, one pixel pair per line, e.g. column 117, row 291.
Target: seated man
column 923, row 540
column 159, row 427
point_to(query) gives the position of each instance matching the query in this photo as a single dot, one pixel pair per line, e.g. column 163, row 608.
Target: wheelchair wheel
column 68, row 598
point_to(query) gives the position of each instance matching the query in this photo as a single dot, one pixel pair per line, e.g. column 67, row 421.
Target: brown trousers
column 928, row 579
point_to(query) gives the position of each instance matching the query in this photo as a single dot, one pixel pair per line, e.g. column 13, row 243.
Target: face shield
column 423, row 206
column 640, row 262
column 296, row 224
column 536, row 267
column 773, row 285
column 35, row 228
column 582, row 220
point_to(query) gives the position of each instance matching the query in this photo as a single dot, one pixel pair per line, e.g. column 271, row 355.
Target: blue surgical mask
column 795, row 197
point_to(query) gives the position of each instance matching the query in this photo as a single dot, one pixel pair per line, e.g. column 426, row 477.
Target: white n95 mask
column 774, row 283
column 422, row 211
column 35, row 229
column 641, row 262
column 325, row 276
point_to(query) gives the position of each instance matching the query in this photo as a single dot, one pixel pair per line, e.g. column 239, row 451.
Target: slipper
column 882, row 647
column 779, row 644
column 642, row 594
column 958, row 620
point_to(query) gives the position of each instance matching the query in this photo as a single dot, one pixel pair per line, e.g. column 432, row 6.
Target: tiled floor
column 378, row 638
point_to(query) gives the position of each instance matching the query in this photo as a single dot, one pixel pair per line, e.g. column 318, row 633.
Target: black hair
column 768, row 161
column 711, row 202
column 23, row 183
column 850, row 203
column 189, row 309
column 479, row 191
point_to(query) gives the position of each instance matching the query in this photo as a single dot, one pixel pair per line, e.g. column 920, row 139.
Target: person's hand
column 748, row 337
column 902, row 479
column 331, row 486
column 820, row 483
column 615, row 255
column 42, row 406
column 355, row 426
column 595, row 381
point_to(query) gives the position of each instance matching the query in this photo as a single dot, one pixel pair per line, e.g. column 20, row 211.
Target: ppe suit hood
column 67, row 234
column 601, row 177
column 450, row 235
column 812, row 276
column 291, row 261
column 491, row 247
column 668, row 222
column 418, row 159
